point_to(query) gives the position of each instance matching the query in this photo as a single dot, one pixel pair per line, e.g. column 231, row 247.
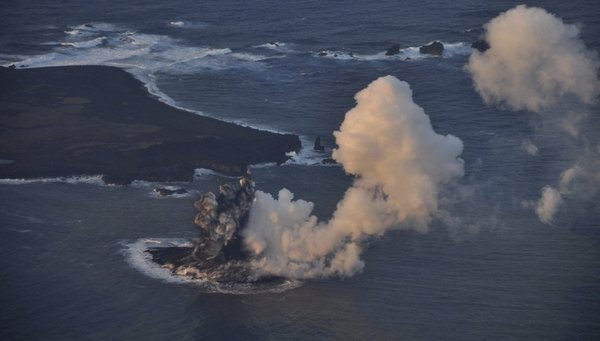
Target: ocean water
column 295, row 67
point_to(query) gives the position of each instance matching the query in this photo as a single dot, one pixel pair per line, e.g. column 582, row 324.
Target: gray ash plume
column 220, row 219
column 217, row 253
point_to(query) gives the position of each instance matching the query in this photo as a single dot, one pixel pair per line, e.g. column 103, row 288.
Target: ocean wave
column 107, row 44
column 154, row 188
column 186, row 24
column 95, row 27
column 150, row 83
column 142, row 55
column 98, row 180
column 203, row 172
column 410, row 53
column 263, row 165
column 82, row 179
column 137, row 257
column 250, row 56
column 277, row 46
column 85, row 44
column 309, row 157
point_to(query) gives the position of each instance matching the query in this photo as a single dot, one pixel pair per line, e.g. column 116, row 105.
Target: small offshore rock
column 436, row 48
column 162, row 191
column 393, row 50
column 480, row 45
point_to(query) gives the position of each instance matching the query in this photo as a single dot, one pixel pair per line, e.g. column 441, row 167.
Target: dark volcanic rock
column 162, row 191
column 436, row 48
column 393, row 50
column 218, row 250
column 220, row 219
column 318, row 146
column 87, row 120
column 480, row 45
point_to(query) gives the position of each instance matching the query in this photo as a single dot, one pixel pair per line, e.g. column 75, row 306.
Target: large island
column 89, row 120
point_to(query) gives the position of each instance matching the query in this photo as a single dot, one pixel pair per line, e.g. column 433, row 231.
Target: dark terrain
column 89, row 120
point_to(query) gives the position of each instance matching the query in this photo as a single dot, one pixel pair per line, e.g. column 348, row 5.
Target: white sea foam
column 203, row 172
column 410, row 53
column 137, row 257
column 209, row 173
column 308, row 156
column 186, row 24
column 142, row 55
column 106, row 44
column 341, row 55
column 83, row 179
column 85, row 44
column 277, row 46
column 187, row 194
column 263, row 165
column 141, row 260
column 250, row 57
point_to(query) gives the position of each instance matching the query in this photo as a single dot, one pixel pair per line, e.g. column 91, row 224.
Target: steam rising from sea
column 538, row 63
column 400, row 164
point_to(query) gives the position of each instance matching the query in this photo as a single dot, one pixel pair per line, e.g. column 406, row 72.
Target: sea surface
column 294, row 66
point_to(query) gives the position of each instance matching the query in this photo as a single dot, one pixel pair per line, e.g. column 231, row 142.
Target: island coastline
column 83, row 120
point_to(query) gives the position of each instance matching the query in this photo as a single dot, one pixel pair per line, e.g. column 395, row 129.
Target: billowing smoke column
column 220, row 218
column 534, row 60
column 538, row 63
column 400, row 164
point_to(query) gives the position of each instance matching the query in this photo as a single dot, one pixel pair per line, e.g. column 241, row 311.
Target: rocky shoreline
column 86, row 120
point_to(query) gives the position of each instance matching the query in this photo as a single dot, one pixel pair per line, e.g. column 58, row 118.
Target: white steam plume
column 400, row 164
column 548, row 204
column 533, row 61
column 538, row 63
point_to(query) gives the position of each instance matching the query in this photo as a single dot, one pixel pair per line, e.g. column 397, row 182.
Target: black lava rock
column 436, row 48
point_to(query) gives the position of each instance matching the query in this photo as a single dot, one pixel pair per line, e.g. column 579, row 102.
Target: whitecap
column 73, row 32
column 142, row 55
column 203, row 172
column 186, row 24
column 457, row 49
column 95, row 27
column 308, row 156
column 249, row 57
column 341, row 55
column 82, row 179
column 188, row 192
column 410, row 53
column 85, row 44
column 264, row 165
column 277, row 46
column 274, row 46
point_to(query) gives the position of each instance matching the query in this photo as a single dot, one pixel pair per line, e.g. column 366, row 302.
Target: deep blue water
column 501, row 274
